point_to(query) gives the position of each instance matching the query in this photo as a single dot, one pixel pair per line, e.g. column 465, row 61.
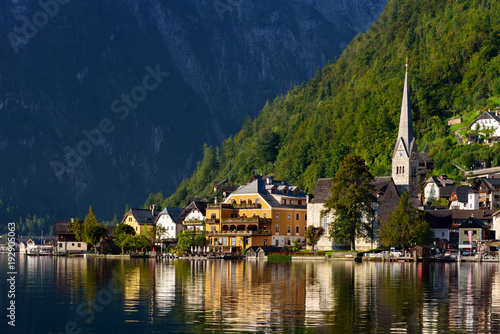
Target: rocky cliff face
column 103, row 102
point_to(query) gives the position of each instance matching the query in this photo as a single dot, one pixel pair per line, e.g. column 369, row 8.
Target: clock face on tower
column 400, row 154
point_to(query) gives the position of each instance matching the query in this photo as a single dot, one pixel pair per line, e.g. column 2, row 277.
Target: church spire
column 405, row 121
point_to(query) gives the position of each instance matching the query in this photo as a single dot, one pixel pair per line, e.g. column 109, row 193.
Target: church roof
column 405, row 132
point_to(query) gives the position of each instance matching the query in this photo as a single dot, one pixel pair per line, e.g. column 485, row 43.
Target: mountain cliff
column 103, row 102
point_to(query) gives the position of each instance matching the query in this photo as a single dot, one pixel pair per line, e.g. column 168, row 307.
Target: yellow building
column 470, row 232
column 141, row 220
column 262, row 212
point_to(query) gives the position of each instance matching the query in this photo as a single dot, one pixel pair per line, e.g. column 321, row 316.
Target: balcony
column 246, row 220
column 235, row 206
column 235, row 233
column 193, row 222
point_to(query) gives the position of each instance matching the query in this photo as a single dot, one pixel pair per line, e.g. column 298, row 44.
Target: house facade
column 142, row 220
column 487, row 126
column 471, row 231
column 464, row 198
column 263, row 212
column 435, row 187
column 193, row 216
column 66, row 241
column 488, row 190
column 170, row 220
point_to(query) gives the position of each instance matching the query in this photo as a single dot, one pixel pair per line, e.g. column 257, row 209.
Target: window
column 60, row 245
column 233, row 241
column 79, row 245
column 277, row 229
column 213, row 228
column 289, row 216
column 273, row 191
column 291, row 201
column 297, row 229
column 277, row 216
column 264, row 215
column 265, row 227
column 265, row 242
column 254, row 214
column 241, row 201
column 299, row 202
column 283, row 201
column 249, row 200
column 257, row 200
column 72, row 244
column 285, row 190
column 305, row 216
column 129, row 219
column 297, row 216
column 213, row 216
column 305, row 228
column 288, row 229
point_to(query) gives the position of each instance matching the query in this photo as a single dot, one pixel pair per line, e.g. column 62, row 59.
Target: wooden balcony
column 246, row 220
column 235, row 206
column 235, row 233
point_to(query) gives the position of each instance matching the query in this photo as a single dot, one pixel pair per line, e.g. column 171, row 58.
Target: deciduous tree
column 351, row 201
column 313, row 234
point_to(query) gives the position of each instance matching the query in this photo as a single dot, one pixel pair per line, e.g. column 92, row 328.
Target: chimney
column 153, row 210
column 215, row 200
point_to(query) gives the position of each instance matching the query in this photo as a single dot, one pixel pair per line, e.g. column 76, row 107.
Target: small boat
column 40, row 250
column 139, row 255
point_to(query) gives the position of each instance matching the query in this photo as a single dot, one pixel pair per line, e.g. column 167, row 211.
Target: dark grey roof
column 462, row 193
column 263, row 186
column 473, row 223
column 439, row 218
column 174, row 213
column 424, row 157
column 380, row 184
column 487, row 115
column 321, row 191
column 62, row 227
column 480, row 214
column 447, row 191
column 143, row 216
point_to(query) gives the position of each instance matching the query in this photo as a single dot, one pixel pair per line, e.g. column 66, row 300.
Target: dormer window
column 273, row 190
column 296, row 191
column 285, row 190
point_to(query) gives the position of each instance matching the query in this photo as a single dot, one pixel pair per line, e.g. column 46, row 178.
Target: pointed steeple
column 405, row 121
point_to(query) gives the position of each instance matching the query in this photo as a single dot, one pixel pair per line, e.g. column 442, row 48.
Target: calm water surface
column 66, row 295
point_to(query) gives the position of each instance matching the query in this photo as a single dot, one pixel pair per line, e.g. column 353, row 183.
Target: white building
column 488, row 125
column 170, row 220
column 194, row 215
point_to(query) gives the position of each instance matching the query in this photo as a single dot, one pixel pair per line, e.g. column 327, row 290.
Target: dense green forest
column 353, row 104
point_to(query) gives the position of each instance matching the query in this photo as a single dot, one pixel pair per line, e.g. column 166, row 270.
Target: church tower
column 405, row 155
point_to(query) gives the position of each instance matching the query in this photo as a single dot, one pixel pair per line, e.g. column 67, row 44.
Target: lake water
column 91, row 295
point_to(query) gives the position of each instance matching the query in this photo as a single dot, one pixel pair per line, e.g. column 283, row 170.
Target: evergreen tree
column 405, row 226
column 92, row 230
column 351, row 201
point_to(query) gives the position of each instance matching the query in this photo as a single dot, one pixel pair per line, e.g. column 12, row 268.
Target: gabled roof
column 489, row 183
column 473, row 223
column 195, row 205
column 142, row 216
column 381, row 183
column 462, row 193
column 487, row 115
column 174, row 213
column 441, row 181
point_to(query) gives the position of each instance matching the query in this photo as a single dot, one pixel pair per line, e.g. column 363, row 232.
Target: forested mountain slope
column 353, row 104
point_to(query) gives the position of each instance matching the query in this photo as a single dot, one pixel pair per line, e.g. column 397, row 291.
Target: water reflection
column 145, row 295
